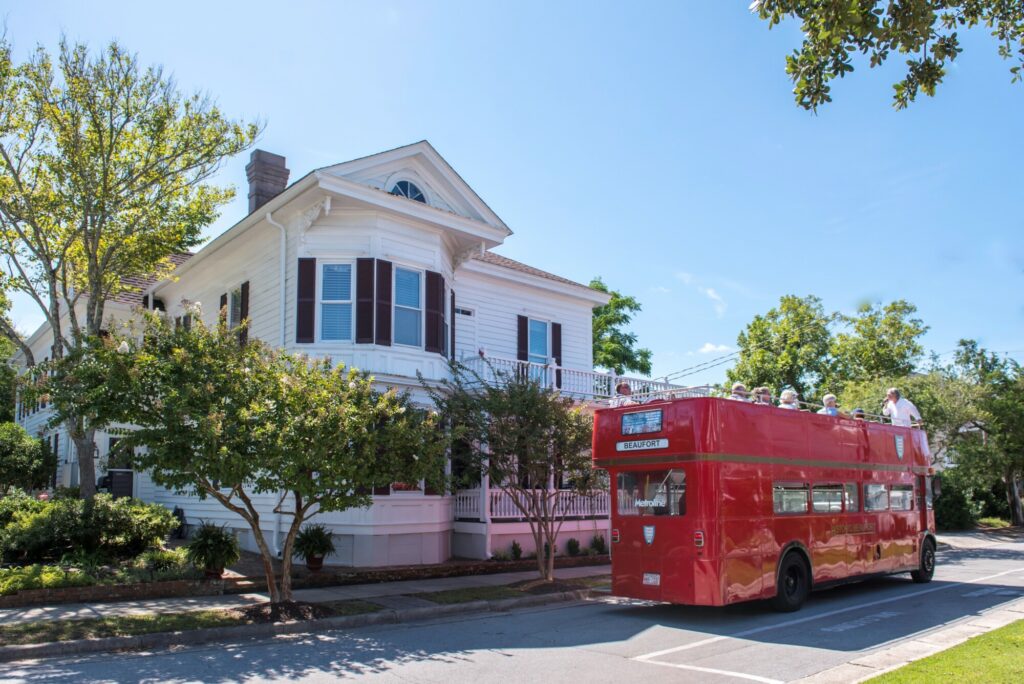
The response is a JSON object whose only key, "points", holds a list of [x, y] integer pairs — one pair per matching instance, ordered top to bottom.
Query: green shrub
{"points": [[25, 461], [17, 502], [953, 509], [114, 529], [313, 541], [598, 545], [572, 547], [212, 548], [517, 550], [547, 550], [500, 556], [157, 565], [13, 580]]}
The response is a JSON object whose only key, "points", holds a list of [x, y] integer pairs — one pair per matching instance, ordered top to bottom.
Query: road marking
{"points": [[998, 591], [861, 622], [649, 657], [711, 670]]}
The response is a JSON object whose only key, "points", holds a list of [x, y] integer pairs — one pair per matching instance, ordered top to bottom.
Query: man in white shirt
{"points": [[900, 410]]}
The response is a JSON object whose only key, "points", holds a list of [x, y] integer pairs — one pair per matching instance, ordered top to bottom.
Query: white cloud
{"points": [[687, 278], [661, 289], [715, 298], [710, 348]]}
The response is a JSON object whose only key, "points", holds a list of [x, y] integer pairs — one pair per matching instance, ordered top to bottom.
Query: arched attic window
{"points": [[404, 188]]}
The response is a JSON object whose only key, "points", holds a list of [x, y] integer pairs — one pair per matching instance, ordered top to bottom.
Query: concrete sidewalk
{"points": [[389, 594]]}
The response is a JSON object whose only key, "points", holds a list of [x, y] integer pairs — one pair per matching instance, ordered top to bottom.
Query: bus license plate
{"points": [[652, 579]]}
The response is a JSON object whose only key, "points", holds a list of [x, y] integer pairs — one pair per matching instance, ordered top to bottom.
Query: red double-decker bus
{"points": [[717, 501]]}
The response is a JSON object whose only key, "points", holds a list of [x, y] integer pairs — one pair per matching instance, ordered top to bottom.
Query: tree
{"points": [[925, 30], [103, 170], [882, 341], [788, 347], [614, 348], [216, 419], [527, 439], [25, 462]]}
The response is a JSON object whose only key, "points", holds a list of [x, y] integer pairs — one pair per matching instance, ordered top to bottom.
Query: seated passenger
{"points": [[739, 392], [622, 395], [763, 396], [788, 400], [829, 408], [857, 413]]}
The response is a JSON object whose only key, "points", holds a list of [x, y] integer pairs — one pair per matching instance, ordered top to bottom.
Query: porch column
{"points": [[485, 507]]}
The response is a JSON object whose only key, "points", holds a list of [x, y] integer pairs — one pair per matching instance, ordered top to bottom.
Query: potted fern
{"points": [[314, 543], [211, 548]]}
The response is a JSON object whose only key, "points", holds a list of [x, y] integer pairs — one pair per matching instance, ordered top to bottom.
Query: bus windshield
{"points": [[653, 492]]}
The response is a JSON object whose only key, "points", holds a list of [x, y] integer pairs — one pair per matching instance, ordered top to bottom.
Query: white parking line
{"points": [[649, 657], [711, 670]]}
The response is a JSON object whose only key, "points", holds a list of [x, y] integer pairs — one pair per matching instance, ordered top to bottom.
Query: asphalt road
{"points": [[607, 640]]}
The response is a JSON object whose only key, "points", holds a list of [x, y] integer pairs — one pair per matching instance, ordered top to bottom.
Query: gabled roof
{"points": [[505, 262], [139, 284]]}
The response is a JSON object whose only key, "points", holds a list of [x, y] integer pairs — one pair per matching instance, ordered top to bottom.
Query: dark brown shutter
{"points": [[145, 301], [364, 301], [383, 303], [305, 305], [223, 308], [243, 315], [451, 315], [434, 320], [186, 321], [177, 322], [523, 339], [556, 350], [382, 491]]}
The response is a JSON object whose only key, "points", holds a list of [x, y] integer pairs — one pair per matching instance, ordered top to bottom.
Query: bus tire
{"points": [[926, 570], [794, 584]]}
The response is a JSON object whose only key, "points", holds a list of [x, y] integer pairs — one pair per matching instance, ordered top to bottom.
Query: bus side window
{"points": [[928, 492], [789, 497], [876, 497], [901, 497], [827, 498], [852, 502]]}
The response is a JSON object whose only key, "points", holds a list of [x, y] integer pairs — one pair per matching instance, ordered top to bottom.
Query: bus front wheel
{"points": [[927, 568], [794, 584]]}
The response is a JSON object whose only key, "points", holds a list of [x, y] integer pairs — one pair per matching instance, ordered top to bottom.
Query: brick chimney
{"points": [[268, 177]]}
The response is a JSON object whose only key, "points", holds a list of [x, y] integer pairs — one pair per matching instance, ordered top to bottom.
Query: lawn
{"points": [[518, 590], [127, 625], [997, 656]]}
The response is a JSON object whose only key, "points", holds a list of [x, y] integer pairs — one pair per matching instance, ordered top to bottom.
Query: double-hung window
{"points": [[336, 303], [408, 307], [235, 308], [539, 347]]}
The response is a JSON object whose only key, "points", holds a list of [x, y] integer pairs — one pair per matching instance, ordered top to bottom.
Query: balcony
{"points": [[583, 385], [500, 507]]}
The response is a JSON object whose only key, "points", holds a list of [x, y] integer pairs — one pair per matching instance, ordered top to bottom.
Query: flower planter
{"points": [[315, 563]]}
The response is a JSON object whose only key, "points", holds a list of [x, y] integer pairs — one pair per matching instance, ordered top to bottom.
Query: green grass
{"points": [[997, 523], [470, 594], [352, 607], [127, 625], [997, 656]]}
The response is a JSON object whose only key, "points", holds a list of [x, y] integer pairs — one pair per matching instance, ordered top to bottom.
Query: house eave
{"points": [[577, 291]]}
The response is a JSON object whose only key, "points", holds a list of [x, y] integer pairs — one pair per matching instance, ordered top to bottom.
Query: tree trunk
{"points": [[85, 445], [1013, 497], [289, 544], [268, 560]]}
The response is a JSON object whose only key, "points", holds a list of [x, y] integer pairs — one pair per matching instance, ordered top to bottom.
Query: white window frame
{"points": [[234, 296], [394, 306], [319, 312], [547, 340]]}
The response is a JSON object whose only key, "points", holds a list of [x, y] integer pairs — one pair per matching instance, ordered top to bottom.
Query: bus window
{"points": [[659, 492], [928, 492], [789, 497], [876, 497], [901, 497], [827, 498], [852, 503]]}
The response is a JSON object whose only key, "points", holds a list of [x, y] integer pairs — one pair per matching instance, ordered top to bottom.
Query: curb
{"points": [[200, 636]]}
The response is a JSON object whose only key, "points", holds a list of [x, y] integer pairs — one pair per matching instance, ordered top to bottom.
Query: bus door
{"points": [[650, 516]]}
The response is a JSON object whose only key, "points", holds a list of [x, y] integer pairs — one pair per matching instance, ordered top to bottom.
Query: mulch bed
{"points": [[284, 612]]}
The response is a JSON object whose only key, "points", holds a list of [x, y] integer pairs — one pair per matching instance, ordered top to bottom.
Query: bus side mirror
{"points": [[936, 486]]}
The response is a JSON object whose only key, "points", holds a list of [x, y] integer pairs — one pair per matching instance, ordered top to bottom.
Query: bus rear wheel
{"points": [[927, 569], [794, 584]]}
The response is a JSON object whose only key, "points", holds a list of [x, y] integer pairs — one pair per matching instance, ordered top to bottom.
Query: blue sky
{"points": [[654, 144]]}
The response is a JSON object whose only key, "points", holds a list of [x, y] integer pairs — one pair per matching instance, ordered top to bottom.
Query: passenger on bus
{"points": [[739, 392], [622, 395], [763, 396], [788, 400], [829, 408], [899, 409], [857, 413]]}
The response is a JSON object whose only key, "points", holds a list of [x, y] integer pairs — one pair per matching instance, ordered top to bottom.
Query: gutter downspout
{"points": [[283, 266]]}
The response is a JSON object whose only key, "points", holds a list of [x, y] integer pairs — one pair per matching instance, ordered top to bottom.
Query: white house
{"points": [[383, 263]]}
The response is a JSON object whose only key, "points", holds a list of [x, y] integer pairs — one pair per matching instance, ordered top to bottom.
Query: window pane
{"points": [[337, 284], [407, 288], [235, 308], [336, 321], [407, 327], [539, 340], [661, 492], [876, 497], [789, 498], [827, 498], [901, 498], [852, 502]]}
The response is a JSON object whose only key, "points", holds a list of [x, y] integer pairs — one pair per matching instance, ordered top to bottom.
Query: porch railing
{"points": [[502, 506]]}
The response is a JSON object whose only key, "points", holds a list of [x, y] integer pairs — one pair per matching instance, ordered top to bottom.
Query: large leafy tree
{"points": [[925, 33], [103, 173], [879, 341], [614, 347], [788, 347], [220, 420], [532, 443], [25, 462]]}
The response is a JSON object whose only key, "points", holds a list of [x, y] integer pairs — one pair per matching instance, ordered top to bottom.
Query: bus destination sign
{"points": [[640, 422], [641, 444]]}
